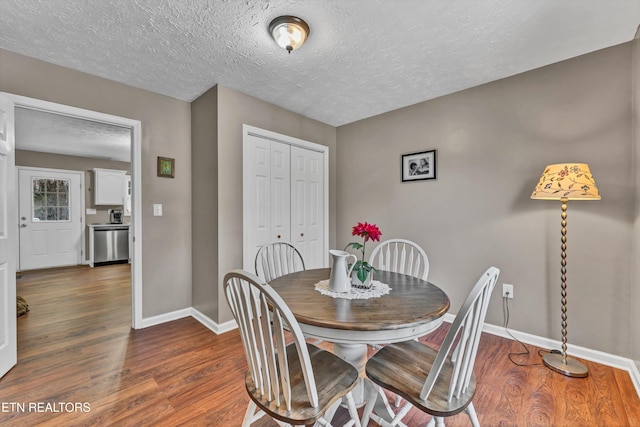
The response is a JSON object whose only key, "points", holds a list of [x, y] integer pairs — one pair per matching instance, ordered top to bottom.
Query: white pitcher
{"points": [[340, 280]]}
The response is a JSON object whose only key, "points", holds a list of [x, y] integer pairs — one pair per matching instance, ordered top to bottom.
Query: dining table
{"points": [[412, 307]]}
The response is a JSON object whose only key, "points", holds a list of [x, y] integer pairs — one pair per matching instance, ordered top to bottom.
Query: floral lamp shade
{"points": [[571, 181]]}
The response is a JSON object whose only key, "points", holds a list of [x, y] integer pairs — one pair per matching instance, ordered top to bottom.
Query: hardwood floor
{"points": [[75, 346]]}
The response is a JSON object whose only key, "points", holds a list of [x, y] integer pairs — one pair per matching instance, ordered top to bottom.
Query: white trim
{"points": [[285, 139], [296, 142], [136, 176], [82, 256], [196, 314], [165, 318], [218, 329], [597, 356]]}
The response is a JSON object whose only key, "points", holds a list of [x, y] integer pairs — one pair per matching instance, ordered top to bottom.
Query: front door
{"points": [[50, 218], [8, 238]]}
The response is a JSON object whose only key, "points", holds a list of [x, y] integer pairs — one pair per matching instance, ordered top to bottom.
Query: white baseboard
{"points": [[186, 312], [164, 318], [210, 324], [574, 350]]}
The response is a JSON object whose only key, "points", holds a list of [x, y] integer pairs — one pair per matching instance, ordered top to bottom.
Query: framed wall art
{"points": [[418, 166], [166, 167]]}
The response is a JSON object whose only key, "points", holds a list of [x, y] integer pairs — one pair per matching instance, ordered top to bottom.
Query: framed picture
{"points": [[418, 166], [166, 167]]}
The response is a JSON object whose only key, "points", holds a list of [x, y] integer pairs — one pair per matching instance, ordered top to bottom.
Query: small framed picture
{"points": [[419, 166], [166, 167]]}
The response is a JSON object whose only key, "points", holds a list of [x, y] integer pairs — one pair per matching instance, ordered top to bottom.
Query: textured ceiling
{"points": [[363, 58], [54, 133]]}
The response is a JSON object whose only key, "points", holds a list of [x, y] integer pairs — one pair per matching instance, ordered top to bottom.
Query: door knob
{"points": [[23, 218], [23, 225], [301, 234], [279, 236]]}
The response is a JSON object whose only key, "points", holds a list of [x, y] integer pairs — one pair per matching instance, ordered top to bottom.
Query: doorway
{"points": [[135, 129]]}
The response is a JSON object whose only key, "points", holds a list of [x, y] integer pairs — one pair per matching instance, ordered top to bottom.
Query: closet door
{"points": [[280, 192], [267, 198], [307, 206]]}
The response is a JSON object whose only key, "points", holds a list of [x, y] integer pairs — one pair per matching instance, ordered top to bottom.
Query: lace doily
{"points": [[376, 290]]}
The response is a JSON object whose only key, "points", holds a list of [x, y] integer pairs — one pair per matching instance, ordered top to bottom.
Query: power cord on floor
{"points": [[526, 352]]}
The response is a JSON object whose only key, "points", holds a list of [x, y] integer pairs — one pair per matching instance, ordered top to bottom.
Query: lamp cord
{"points": [[526, 352]]}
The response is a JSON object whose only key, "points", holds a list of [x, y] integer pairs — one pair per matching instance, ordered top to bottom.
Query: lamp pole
{"points": [[559, 362]]}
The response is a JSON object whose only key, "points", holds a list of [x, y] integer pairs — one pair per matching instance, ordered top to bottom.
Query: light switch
{"points": [[157, 209], [91, 211]]}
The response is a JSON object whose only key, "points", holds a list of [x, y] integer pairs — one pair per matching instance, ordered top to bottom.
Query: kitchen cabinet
{"points": [[109, 186]]}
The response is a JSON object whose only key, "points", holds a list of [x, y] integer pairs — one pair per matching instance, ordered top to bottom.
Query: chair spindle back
{"points": [[401, 256], [277, 259], [262, 317], [468, 327]]}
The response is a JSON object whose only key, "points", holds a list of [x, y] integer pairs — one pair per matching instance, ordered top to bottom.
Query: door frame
{"points": [[248, 130], [136, 177], [83, 224]]}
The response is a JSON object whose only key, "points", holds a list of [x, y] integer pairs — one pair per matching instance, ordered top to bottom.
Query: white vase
{"points": [[355, 281]]}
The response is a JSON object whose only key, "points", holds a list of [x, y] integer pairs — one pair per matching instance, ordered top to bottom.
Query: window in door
{"points": [[50, 200]]}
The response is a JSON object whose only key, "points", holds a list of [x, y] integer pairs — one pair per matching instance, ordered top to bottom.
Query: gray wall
{"points": [[234, 110], [166, 131], [493, 143], [85, 164], [204, 175], [635, 291]]}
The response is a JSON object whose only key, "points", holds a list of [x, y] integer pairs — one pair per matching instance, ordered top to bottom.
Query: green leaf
{"points": [[354, 245], [362, 275]]}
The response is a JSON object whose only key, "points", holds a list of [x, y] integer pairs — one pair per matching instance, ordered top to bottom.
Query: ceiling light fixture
{"points": [[289, 32]]}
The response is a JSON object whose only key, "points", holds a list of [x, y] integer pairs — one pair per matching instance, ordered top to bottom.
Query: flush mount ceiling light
{"points": [[289, 32]]}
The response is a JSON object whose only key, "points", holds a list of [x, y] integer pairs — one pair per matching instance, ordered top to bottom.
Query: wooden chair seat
{"points": [[403, 368], [334, 379]]}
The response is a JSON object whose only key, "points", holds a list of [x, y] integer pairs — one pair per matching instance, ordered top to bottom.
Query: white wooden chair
{"points": [[401, 256], [404, 257], [277, 259], [440, 383], [295, 384]]}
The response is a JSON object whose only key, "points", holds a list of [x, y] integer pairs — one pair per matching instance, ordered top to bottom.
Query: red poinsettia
{"points": [[367, 232]]}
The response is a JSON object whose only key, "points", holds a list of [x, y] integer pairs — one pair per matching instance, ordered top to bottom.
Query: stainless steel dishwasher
{"points": [[111, 244]]}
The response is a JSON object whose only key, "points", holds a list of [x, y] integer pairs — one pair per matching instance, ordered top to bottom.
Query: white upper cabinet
{"points": [[109, 186]]}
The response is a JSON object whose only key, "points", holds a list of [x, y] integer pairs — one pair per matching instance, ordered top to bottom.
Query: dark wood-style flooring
{"points": [[76, 346]]}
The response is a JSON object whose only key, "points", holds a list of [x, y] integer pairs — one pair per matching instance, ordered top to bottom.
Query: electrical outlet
{"points": [[507, 290]]}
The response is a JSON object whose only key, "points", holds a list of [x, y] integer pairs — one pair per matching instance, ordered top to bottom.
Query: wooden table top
{"points": [[411, 302]]}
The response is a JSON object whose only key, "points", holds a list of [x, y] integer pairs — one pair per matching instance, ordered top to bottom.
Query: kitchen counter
{"points": [[108, 225]]}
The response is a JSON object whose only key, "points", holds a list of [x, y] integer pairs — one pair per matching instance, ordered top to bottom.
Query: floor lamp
{"points": [[564, 182]]}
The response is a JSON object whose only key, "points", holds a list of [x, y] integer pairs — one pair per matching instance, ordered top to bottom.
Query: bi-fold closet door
{"points": [[283, 198]]}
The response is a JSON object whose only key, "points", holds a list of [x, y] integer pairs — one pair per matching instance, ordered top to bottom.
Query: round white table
{"points": [[412, 308]]}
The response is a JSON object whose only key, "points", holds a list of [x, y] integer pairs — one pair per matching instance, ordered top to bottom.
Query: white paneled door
{"points": [[307, 179], [284, 195], [280, 203], [50, 218], [8, 238]]}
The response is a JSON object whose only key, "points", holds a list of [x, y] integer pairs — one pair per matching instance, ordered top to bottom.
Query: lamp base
{"points": [[572, 368]]}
